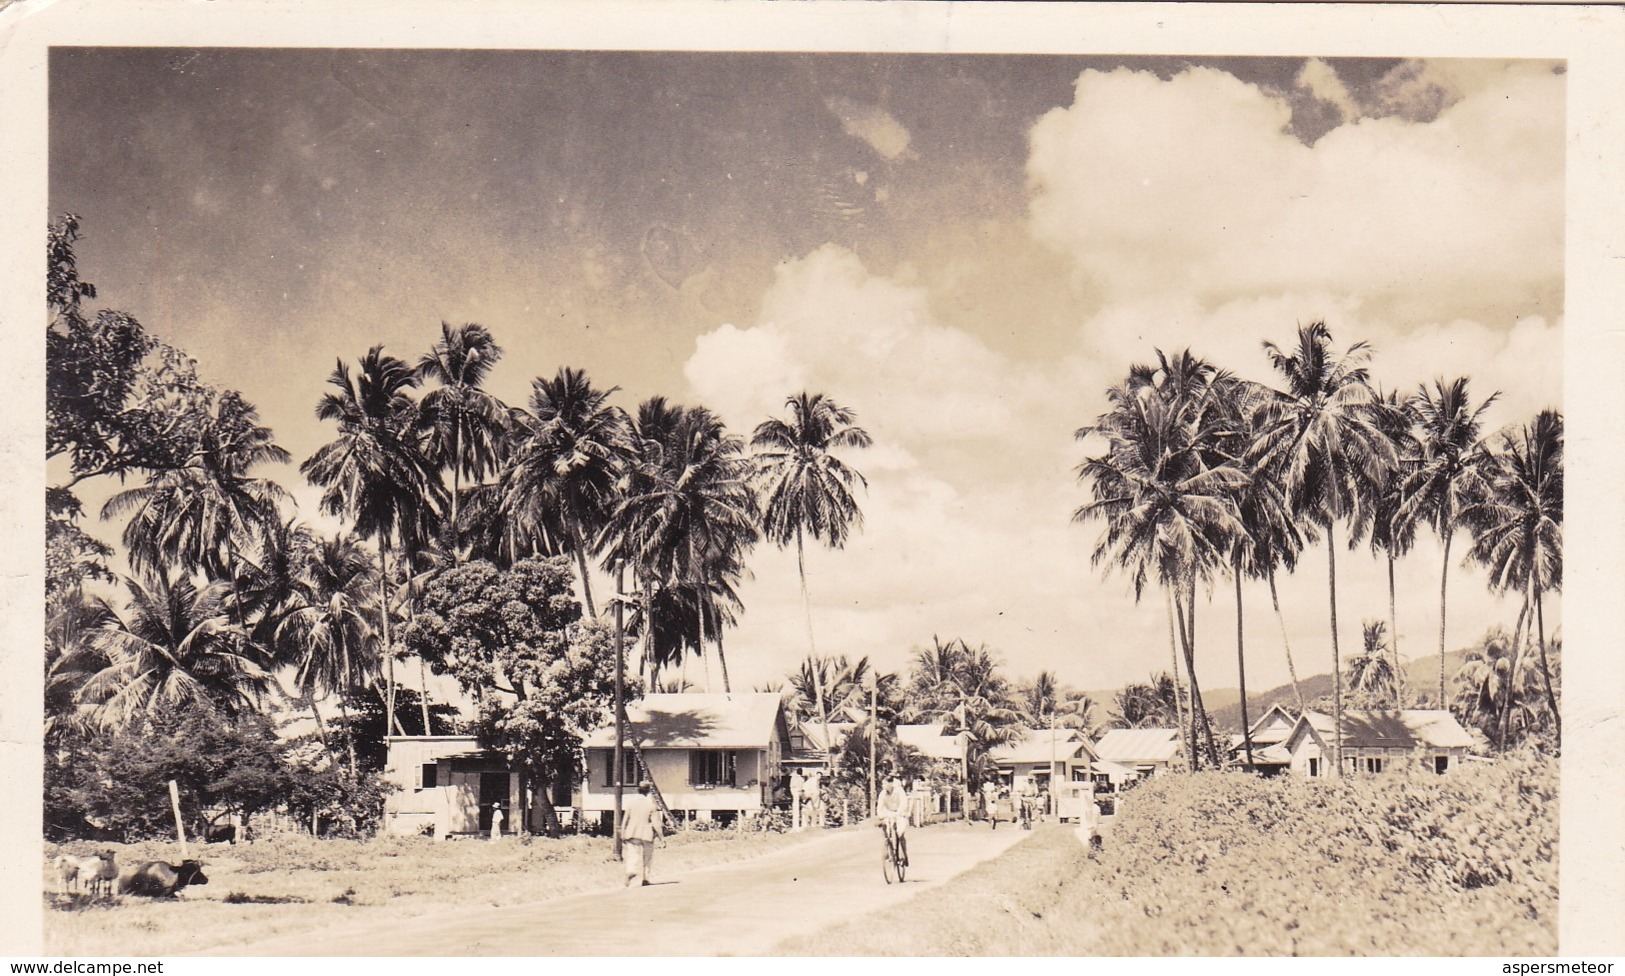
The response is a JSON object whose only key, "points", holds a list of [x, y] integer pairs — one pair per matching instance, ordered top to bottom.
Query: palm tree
{"points": [[464, 422], [1328, 439], [570, 460], [375, 473], [1450, 473], [807, 490], [1164, 491], [199, 516], [689, 517], [1518, 523], [1391, 531], [328, 638], [173, 646], [1372, 675], [1047, 703], [1154, 704]]}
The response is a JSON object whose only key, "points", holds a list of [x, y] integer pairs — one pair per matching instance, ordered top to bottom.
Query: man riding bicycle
{"points": [[891, 814]]}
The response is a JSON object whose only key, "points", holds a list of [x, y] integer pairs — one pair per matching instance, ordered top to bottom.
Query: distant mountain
{"points": [[1421, 674]]}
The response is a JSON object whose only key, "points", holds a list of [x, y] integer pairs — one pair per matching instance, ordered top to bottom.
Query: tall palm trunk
{"points": [[456, 484], [581, 561], [1444, 578], [648, 595], [1393, 633], [1286, 643], [812, 651], [1337, 658], [722, 661], [1546, 668], [1241, 670], [1179, 693], [1198, 704], [390, 721], [1504, 723], [321, 726], [349, 734]]}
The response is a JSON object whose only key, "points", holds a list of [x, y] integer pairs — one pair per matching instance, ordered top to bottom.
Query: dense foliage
{"points": [[1398, 864]]}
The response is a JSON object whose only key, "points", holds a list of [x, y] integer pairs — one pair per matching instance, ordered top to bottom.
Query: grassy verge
{"points": [[1222, 864], [291, 884], [996, 908]]}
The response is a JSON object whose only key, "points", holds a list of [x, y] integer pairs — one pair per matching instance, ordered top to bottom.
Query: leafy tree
{"points": [[807, 490], [513, 641], [966, 690], [116, 785]]}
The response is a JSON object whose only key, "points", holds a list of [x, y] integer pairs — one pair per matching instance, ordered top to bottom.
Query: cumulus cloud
{"points": [[1321, 81], [872, 124], [1194, 185]]}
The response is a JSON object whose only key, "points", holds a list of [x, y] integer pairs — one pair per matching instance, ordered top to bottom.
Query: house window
{"points": [[1440, 764], [1373, 765], [712, 767], [1314, 767], [631, 772], [431, 775]]}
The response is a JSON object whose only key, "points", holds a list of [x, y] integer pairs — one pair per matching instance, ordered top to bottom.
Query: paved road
{"points": [[744, 908]]}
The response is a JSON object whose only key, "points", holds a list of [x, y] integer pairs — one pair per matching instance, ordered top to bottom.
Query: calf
{"points": [[98, 872], [155, 879]]}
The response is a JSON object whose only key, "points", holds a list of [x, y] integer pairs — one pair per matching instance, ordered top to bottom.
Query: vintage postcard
{"points": [[709, 479]]}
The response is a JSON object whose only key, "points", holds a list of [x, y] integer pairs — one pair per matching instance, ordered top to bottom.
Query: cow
{"points": [[221, 834], [98, 872], [156, 879]]}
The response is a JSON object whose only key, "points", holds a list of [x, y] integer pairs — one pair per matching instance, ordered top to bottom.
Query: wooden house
{"points": [[1376, 741]]}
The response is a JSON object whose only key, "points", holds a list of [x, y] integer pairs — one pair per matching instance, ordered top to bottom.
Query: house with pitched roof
{"points": [[1268, 735], [1376, 741], [1147, 752], [1045, 756], [713, 757]]}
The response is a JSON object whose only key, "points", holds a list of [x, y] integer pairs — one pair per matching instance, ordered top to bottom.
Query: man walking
{"points": [[640, 825]]}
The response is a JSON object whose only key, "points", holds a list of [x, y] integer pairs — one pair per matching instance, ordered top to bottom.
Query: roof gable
{"points": [[1412, 728], [1044, 745]]}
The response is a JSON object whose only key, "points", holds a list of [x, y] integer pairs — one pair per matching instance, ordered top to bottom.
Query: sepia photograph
{"points": [[803, 498]]}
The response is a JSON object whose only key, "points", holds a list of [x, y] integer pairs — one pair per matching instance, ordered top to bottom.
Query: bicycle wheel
{"points": [[900, 861], [888, 865]]}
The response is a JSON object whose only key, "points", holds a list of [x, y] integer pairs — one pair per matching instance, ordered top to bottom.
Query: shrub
{"points": [[1406, 863]]}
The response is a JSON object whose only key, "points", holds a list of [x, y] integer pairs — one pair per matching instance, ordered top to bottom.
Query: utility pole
{"points": [[874, 686], [620, 701]]}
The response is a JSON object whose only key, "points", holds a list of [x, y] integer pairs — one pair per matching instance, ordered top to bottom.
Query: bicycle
{"points": [[894, 859]]}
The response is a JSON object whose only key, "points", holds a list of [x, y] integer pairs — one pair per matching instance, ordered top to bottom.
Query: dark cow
{"points": [[155, 879]]}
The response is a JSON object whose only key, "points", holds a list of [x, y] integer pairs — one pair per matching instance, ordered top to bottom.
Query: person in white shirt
{"points": [[892, 811], [496, 821], [640, 826]]}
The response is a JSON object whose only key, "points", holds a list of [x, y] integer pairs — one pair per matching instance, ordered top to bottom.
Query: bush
{"points": [[1406, 863]]}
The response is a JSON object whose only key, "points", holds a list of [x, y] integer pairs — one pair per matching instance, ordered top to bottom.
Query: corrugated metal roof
{"points": [[686, 721], [1389, 729], [931, 741], [1139, 745], [1036, 747]]}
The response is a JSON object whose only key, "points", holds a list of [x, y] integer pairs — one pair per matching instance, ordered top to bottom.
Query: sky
{"points": [[965, 250]]}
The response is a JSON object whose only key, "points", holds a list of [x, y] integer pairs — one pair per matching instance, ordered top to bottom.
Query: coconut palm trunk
{"points": [[581, 562], [1444, 579], [1393, 631], [1286, 643], [389, 648], [812, 651], [1337, 659], [722, 661], [1546, 668], [1241, 671], [1179, 694], [1504, 725]]}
